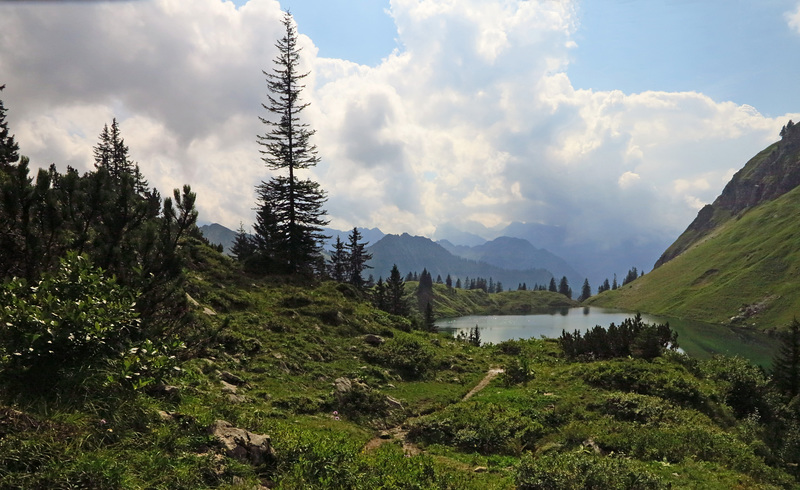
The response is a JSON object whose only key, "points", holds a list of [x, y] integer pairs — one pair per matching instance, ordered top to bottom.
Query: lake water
{"points": [[697, 339]]}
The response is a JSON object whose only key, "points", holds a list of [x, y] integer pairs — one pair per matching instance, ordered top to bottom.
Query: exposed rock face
{"points": [[767, 176], [243, 445]]}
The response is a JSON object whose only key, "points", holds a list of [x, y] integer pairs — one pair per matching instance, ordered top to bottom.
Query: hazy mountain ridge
{"points": [[415, 253], [516, 254]]}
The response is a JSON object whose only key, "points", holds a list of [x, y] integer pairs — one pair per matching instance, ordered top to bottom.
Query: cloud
{"points": [[793, 18], [473, 121]]}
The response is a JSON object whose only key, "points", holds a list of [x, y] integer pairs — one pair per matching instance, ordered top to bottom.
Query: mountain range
{"points": [[512, 261]]}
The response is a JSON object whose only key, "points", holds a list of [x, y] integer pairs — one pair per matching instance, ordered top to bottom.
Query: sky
{"points": [[616, 120]]}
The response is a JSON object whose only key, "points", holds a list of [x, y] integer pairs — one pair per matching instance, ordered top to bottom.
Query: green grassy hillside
{"points": [[744, 272], [451, 302], [354, 398]]}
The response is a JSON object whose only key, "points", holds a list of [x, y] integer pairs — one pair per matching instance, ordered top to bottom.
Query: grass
{"points": [[622, 422]]}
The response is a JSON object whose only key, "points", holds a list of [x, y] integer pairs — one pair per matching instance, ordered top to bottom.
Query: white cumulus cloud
{"points": [[474, 119]]}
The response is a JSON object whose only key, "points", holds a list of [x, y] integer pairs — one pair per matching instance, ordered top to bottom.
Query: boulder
{"points": [[374, 340], [241, 444]]}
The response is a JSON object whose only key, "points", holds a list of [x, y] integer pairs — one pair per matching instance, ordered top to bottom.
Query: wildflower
{"points": [[336, 412], [336, 418]]}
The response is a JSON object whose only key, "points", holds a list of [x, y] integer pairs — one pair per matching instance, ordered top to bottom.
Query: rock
{"points": [[374, 340], [231, 378], [342, 385], [229, 388], [164, 391], [236, 398], [394, 403], [165, 416], [385, 435], [241, 444], [480, 469]]}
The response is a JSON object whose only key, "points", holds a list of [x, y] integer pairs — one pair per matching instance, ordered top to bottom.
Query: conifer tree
{"points": [[9, 149], [296, 204], [243, 247], [357, 258], [338, 264], [563, 286], [395, 288], [553, 288], [425, 289], [586, 290], [379, 295], [430, 319], [786, 364]]}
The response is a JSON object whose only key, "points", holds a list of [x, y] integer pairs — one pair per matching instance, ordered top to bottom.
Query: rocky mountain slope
{"points": [[739, 261]]}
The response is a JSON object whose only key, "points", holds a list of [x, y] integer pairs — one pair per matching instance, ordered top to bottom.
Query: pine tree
{"points": [[9, 149], [111, 154], [296, 204], [269, 243], [243, 247], [357, 258], [339, 262], [449, 282], [458, 283], [614, 285], [563, 286], [553, 288], [395, 289], [425, 289], [586, 290], [379, 295], [430, 319], [786, 364]]}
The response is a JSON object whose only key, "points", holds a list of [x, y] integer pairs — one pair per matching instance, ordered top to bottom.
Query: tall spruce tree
{"points": [[286, 147], [9, 149], [243, 246], [357, 257], [338, 263], [563, 287], [395, 289], [586, 290], [786, 364]]}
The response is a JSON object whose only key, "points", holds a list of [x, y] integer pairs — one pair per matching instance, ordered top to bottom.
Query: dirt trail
{"points": [[493, 373], [400, 433]]}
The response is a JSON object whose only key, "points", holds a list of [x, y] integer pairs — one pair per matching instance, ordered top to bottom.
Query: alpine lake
{"points": [[697, 339]]}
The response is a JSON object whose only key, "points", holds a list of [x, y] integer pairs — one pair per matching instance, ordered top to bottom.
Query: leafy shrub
{"points": [[77, 323], [407, 354], [517, 371], [667, 381], [745, 386], [633, 407], [483, 427], [578, 470]]}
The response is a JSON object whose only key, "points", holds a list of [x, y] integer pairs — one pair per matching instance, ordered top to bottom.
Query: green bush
{"points": [[77, 324], [407, 354], [517, 370], [665, 380], [483, 427], [579, 470]]}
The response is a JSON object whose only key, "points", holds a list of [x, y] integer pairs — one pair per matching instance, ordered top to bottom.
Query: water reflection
{"points": [[696, 338]]}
